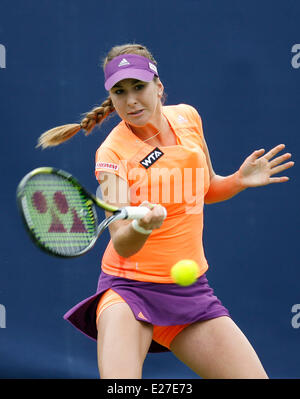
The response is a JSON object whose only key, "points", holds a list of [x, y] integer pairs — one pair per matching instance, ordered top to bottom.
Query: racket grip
{"points": [[138, 212]]}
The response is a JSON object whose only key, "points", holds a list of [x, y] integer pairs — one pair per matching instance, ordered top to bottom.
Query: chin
{"points": [[138, 123]]}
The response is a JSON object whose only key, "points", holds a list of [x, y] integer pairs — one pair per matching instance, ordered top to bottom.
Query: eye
{"points": [[139, 87], [119, 91]]}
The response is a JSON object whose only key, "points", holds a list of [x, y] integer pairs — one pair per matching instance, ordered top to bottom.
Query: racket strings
{"points": [[61, 216]]}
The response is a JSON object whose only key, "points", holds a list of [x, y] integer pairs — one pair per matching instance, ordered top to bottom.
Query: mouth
{"points": [[136, 113]]}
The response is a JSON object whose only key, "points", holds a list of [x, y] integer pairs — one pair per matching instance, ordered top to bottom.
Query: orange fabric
{"points": [[178, 180], [109, 297], [163, 335]]}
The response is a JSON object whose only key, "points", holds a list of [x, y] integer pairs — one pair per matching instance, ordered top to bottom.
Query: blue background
{"points": [[232, 61]]}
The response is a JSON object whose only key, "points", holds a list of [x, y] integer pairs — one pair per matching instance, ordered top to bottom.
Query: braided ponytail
{"points": [[96, 116], [63, 133]]}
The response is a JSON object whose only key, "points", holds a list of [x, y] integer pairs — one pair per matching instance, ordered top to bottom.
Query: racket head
{"points": [[58, 213]]}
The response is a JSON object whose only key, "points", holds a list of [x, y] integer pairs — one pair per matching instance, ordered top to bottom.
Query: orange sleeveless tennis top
{"points": [[176, 177]]}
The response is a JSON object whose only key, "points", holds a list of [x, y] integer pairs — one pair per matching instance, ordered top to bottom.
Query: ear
{"points": [[160, 88]]}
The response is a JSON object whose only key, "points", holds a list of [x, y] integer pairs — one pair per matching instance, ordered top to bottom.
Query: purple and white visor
{"points": [[128, 66]]}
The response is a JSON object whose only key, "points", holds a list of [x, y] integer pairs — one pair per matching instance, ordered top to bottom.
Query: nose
{"points": [[131, 99]]}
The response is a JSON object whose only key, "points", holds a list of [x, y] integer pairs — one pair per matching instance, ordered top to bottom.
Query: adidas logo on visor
{"points": [[123, 62]]}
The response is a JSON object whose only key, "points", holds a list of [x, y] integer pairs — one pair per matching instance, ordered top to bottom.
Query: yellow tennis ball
{"points": [[185, 272]]}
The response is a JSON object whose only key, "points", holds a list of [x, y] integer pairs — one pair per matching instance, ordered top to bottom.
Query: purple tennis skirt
{"points": [[162, 304]]}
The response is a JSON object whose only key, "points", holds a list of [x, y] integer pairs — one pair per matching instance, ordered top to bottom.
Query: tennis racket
{"points": [[60, 215]]}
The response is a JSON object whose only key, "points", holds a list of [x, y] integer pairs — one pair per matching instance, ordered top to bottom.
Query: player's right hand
{"points": [[153, 219]]}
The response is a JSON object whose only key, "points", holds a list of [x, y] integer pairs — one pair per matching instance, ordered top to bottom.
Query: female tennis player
{"points": [[157, 150]]}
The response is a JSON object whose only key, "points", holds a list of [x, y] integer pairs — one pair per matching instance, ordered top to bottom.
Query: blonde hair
{"points": [[98, 114]]}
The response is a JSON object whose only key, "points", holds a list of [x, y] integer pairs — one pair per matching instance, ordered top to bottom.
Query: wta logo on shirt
{"points": [[151, 158]]}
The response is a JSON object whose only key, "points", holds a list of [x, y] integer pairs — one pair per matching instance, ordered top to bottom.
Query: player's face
{"points": [[137, 102]]}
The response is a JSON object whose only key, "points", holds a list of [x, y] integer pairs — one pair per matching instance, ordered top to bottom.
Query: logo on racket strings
{"points": [[59, 216]]}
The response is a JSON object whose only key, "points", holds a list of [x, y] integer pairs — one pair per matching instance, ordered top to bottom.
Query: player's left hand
{"points": [[257, 168]]}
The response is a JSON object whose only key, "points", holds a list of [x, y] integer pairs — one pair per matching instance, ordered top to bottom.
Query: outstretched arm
{"points": [[257, 170]]}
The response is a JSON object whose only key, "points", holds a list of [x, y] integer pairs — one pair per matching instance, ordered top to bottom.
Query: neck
{"points": [[156, 127], [150, 130]]}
